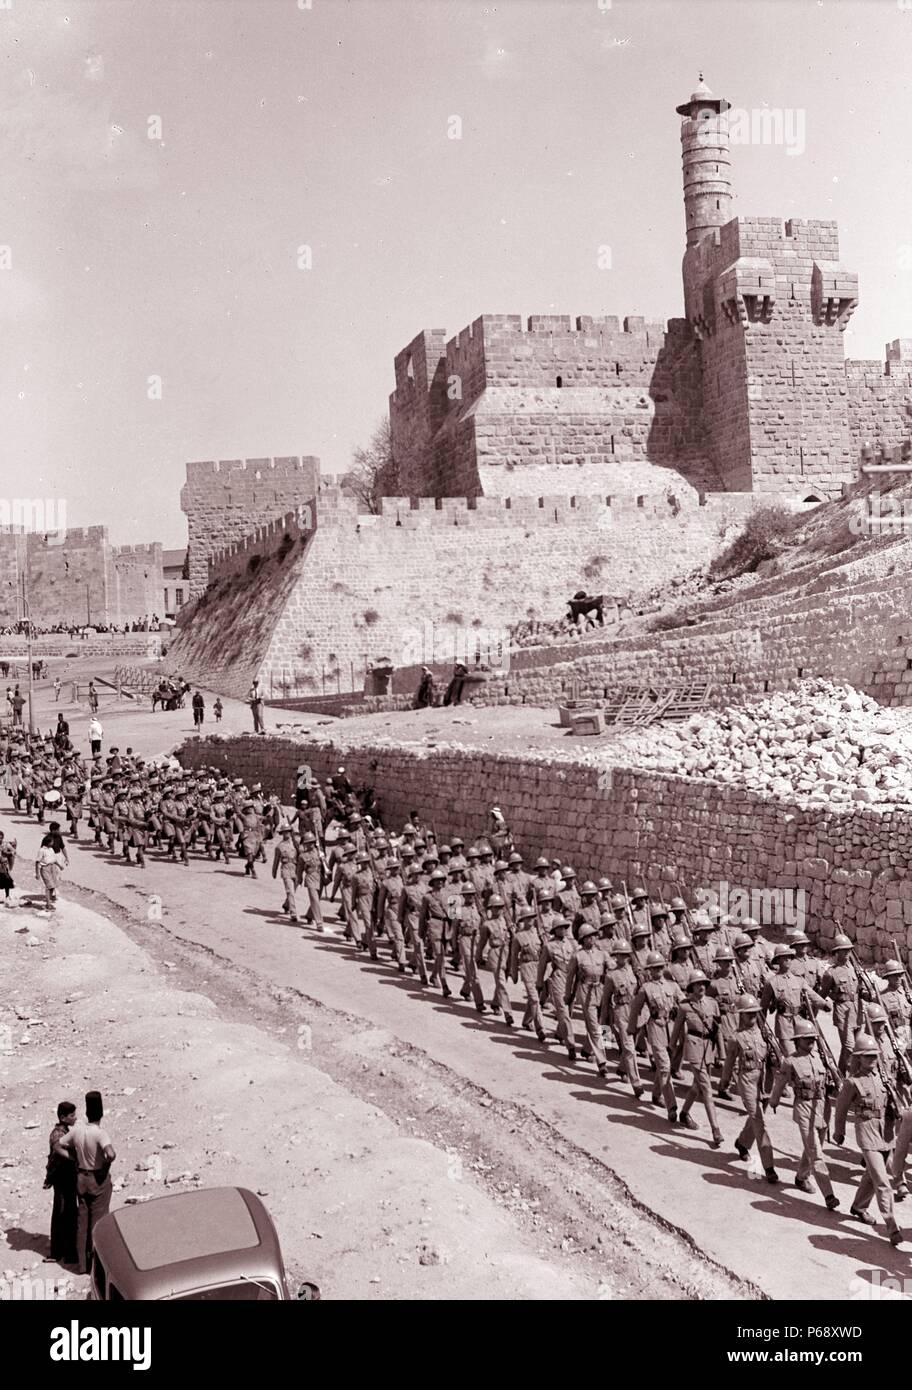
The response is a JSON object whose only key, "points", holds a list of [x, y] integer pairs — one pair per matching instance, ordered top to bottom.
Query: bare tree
{"points": [[373, 473]]}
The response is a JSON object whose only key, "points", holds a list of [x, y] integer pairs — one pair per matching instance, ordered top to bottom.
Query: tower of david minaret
{"points": [[768, 301]]}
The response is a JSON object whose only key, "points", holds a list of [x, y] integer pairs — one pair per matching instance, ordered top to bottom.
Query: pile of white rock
{"points": [[817, 744]]}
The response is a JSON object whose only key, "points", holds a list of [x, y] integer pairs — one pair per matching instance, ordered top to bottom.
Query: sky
{"points": [[164, 164]]}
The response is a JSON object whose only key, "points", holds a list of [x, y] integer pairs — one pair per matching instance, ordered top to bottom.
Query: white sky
{"points": [[328, 127]]}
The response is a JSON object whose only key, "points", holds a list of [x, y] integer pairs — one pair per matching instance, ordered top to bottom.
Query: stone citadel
{"points": [[542, 454]]}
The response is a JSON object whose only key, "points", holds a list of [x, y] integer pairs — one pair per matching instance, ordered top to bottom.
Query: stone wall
{"points": [[880, 398], [555, 404], [226, 500], [79, 578], [138, 582], [369, 587], [147, 645], [850, 865]]}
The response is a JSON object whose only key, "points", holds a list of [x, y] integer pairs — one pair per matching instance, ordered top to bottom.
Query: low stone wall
{"points": [[850, 865]]}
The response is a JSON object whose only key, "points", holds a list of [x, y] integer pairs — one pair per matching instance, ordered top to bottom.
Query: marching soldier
{"points": [[72, 791], [137, 829], [251, 836], [457, 854], [285, 866], [312, 872], [343, 881], [518, 883], [363, 886], [570, 897], [389, 901], [589, 912], [546, 914], [410, 917], [468, 928], [432, 929], [609, 931], [661, 937], [641, 950], [764, 950], [494, 952], [525, 952], [702, 952], [680, 965], [553, 967], [805, 967], [749, 970], [585, 982], [839, 984], [724, 989], [620, 990], [784, 995], [658, 1000], [897, 1004], [693, 1042], [745, 1059], [805, 1072], [866, 1096]]}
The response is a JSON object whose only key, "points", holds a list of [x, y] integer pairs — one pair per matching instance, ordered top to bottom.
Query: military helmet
{"points": [[457, 842], [444, 849], [472, 853], [363, 858], [515, 858], [542, 863], [501, 867], [568, 872], [437, 876], [604, 884], [468, 888], [588, 889], [639, 892], [545, 896], [495, 900], [618, 902], [678, 905], [657, 910], [525, 913], [607, 918], [558, 923], [750, 924], [639, 929], [585, 932], [799, 939], [680, 940], [742, 942], [841, 942], [621, 948], [783, 952], [724, 953], [653, 960], [892, 967], [696, 977], [747, 1004], [875, 1013], [803, 1028], [865, 1046]]}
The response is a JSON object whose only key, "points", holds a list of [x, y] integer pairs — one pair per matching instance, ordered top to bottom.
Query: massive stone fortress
{"points": [[750, 392], [226, 500], [77, 578]]}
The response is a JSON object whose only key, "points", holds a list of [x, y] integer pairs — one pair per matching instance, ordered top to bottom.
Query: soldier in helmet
{"points": [[285, 865], [312, 872], [343, 882], [518, 883], [363, 886], [570, 897], [389, 900], [639, 910], [678, 910], [589, 912], [546, 914], [410, 917], [434, 928], [468, 929], [609, 932], [661, 936], [641, 949], [494, 952], [702, 952], [525, 953], [680, 965], [805, 967], [553, 968], [749, 970], [585, 983], [839, 984], [724, 989], [620, 990], [786, 996], [656, 1003], [897, 1004], [693, 1042], [745, 1060], [805, 1072], [866, 1096]]}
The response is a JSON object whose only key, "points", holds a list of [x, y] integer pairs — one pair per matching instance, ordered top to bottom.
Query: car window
{"points": [[243, 1291]]}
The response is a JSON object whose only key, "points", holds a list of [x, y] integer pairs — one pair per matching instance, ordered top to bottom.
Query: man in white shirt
{"points": [[94, 734], [91, 1146]]}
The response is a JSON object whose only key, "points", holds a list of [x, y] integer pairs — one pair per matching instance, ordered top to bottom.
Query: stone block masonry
{"points": [[225, 501], [78, 579], [369, 587], [852, 866]]}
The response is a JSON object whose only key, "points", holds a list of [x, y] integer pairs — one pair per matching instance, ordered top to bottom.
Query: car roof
{"points": [[187, 1240]]}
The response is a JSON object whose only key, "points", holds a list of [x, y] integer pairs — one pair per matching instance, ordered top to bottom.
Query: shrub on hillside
{"points": [[763, 536]]}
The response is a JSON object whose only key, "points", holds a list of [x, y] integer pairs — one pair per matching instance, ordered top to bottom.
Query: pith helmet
{"points": [[588, 889], [495, 900], [617, 902], [678, 905], [639, 929], [585, 932], [742, 942], [841, 942], [621, 948], [783, 952], [724, 953], [653, 959], [892, 967], [696, 977], [747, 1004], [875, 1014], [803, 1028], [865, 1046]]}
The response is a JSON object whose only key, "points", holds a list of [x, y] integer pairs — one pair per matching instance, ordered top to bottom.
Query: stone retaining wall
{"points": [[630, 824]]}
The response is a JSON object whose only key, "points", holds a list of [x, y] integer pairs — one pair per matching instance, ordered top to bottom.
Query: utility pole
{"points": [[88, 609], [28, 641]]}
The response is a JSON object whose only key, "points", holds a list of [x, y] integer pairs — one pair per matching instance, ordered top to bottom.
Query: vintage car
{"points": [[212, 1244]]}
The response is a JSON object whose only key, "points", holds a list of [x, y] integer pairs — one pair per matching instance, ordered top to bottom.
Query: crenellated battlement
{"points": [[205, 471], [73, 536], [262, 541]]}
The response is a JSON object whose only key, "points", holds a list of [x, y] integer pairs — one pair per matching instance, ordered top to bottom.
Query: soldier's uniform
{"points": [[72, 791], [122, 821], [137, 827], [220, 827], [251, 838], [457, 856], [285, 866], [343, 880], [569, 895], [389, 902], [362, 905], [589, 913], [409, 918], [433, 926], [468, 929], [661, 935], [494, 952], [703, 952], [525, 953], [553, 967], [679, 967], [805, 967], [750, 969], [585, 983], [839, 984], [724, 989], [620, 990], [785, 995], [897, 1004], [654, 1006], [693, 1043], [745, 1060], [807, 1076], [867, 1098]]}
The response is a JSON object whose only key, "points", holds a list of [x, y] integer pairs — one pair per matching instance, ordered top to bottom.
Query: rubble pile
{"points": [[817, 744]]}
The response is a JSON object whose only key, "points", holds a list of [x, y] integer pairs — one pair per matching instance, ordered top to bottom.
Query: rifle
{"points": [[688, 923], [907, 978], [773, 1053], [904, 1069]]}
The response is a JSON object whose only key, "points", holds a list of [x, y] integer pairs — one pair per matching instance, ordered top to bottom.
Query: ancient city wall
{"points": [[555, 396], [880, 398], [226, 500], [466, 565], [71, 581], [138, 582], [851, 865]]}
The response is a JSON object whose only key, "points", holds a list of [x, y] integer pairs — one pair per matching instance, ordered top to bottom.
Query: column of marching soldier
{"points": [[676, 989]]}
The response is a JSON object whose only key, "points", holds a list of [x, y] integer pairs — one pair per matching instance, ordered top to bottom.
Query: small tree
{"points": [[373, 473]]}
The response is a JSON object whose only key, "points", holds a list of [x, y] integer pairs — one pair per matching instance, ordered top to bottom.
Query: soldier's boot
{"points": [[508, 1020], [542, 1036], [571, 1051], [602, 1069], [723, 1094], [673, 1116], [687, 1120], [716, 1139], [741, 1150], [771, 1175], [803, 1185], [901, 1192], [832, 1201], [864, 1216], [896, 1236]]}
